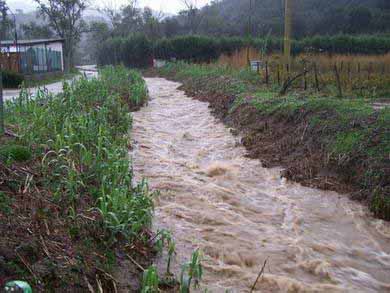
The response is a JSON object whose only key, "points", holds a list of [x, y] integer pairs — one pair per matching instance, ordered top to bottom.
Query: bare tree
{"points": [[111, 10], [192, 14], [65, 17], [5, 23]]}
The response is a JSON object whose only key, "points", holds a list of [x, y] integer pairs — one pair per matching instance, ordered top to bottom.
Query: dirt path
{"points": [[54, 88], [240, 213]]}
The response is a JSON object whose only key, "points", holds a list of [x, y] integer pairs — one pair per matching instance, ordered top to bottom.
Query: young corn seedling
{"points": [[164, 238], [191, 272], [150, 281]]}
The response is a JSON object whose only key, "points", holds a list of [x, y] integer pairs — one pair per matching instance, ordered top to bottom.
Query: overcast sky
{"points": [[169, 6]]}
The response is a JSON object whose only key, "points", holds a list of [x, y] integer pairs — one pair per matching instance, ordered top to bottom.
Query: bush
{"points": [[190, 48], [134, 51], [11, 79]]}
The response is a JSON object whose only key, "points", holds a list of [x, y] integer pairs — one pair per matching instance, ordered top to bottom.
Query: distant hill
{"points": [[311, 17]]}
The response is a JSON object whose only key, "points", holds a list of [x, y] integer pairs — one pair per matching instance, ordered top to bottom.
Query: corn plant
{"points": [[164, 238], [191, 272], [150, 281]]}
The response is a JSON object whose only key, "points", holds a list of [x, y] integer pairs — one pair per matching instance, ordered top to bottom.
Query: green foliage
{"points": [[344, 44], [190, 48], [133, 51], [138, 51], [11, 79], [129, 85], [81, 136], [347, 142], [15, 153], [5, 204], [380, 205], [191, 272], [150, 281]]}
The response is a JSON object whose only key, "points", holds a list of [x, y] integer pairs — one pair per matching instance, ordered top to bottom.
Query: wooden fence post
{"points": [[369, 71], [266, 73], [278, 74], [338, 81], [317, 84]]}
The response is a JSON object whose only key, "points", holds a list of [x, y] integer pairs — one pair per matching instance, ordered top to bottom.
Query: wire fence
{"points": [[362, 75]]}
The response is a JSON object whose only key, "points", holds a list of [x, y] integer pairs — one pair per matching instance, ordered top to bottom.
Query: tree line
{"points": [[322, 25], [138, 50]]}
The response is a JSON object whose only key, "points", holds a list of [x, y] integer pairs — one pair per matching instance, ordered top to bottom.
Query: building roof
{"points": [[31, 42]]}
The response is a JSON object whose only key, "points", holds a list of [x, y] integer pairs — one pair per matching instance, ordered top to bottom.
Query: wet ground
{"points": [[240, 214]]}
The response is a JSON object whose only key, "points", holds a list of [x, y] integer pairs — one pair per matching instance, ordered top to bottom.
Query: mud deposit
{"points": [[214, 197]]}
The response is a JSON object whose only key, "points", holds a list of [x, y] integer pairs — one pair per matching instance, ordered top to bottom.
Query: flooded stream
{"points": [[239, 213]]}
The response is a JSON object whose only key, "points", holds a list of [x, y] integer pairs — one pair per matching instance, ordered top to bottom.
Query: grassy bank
{"points": [[333, 143], [69, 209]]}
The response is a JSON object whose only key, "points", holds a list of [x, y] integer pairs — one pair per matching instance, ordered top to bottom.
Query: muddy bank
{"points": [[278, 142], [301, 147]]}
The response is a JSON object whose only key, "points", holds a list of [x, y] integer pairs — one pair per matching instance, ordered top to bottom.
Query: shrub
{"points": [[190, 48], [134, 51], [11, 79], [5, 204]]}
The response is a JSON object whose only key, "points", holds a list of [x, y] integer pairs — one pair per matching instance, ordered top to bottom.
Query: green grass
{"points": [[52, 79], [14, 153], [5, 204]]}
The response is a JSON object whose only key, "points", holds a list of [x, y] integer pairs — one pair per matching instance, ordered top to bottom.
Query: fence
{"points": [[38, 60], [10, 61], [365, 75]]}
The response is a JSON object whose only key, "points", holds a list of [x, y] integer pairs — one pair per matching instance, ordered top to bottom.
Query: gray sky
{"points": [[169, 6]]}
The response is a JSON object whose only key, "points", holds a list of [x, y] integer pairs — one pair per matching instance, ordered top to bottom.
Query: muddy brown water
{"points": [[239, 213]]}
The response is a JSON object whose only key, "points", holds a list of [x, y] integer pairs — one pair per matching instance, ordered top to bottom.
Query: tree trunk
{"points": [[69, 55], [2, 128]]}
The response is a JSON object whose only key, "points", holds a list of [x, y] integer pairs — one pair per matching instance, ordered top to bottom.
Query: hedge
{"points": [[134, 51], [138, 51], [11, 79]]}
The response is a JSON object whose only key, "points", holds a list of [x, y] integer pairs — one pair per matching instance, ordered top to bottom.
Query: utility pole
{"points": [[249, 32], [287, 32], [2, 127]]}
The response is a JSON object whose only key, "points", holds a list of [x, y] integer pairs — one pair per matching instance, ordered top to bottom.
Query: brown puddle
{"points": [[240, 213]]}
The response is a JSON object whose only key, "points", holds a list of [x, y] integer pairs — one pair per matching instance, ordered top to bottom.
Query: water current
{"points": [[239, 214]]}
